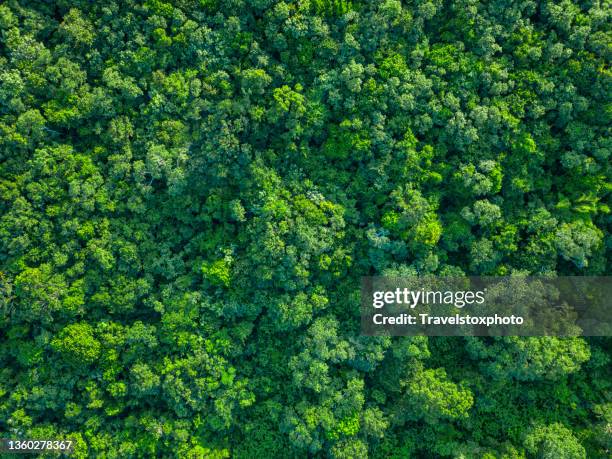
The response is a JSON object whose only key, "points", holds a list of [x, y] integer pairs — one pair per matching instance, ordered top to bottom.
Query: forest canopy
{"points": [[191, 190]]}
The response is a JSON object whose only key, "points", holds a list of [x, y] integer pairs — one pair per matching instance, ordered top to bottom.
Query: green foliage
{"points": [[331, 7], [190, 191], [217, 272], [77, 344], [436, 397], [553, 440]]}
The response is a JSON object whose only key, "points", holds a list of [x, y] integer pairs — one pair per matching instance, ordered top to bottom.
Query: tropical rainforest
{"points": [[191, 191]]}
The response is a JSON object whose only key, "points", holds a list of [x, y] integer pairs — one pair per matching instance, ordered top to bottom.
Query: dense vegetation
{"points": [[192, 189]]}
